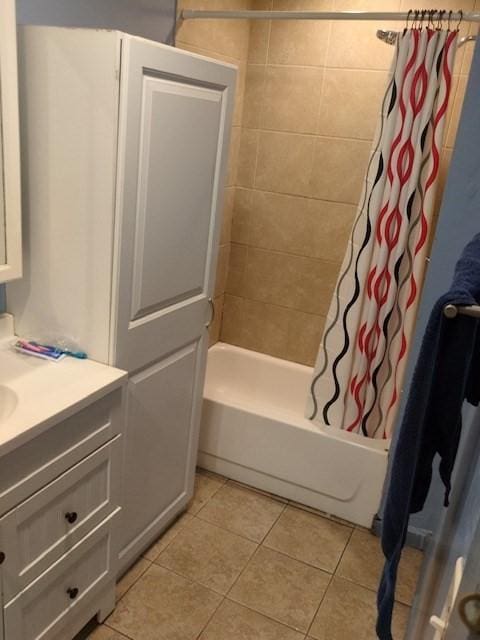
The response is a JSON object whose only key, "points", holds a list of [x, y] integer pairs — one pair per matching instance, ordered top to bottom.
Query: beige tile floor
{"points": [[243, 565]]}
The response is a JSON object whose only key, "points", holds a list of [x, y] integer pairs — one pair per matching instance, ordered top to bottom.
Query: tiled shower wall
{"points": [[226, 41], [312, 94]]}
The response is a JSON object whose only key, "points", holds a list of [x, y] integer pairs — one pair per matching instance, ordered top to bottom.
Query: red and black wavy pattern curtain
{"points": [[361, 359]]}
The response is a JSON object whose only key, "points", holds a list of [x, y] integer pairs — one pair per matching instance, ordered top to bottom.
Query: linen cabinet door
{"points": [[175, 115]]}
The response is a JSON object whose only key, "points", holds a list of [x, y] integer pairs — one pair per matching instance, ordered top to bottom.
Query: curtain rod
{"points": [[200, 14]]}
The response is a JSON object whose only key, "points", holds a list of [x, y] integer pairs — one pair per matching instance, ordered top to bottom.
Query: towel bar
{"points": [[451, 311]]}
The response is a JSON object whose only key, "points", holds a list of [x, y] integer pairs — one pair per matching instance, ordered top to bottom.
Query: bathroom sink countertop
{"points": [[36, 393]]}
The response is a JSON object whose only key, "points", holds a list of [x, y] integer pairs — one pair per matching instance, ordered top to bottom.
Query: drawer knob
{"points": [[71, 516], [2, 557], [72, 592]]}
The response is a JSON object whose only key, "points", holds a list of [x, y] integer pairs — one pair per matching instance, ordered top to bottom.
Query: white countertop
{"points": [[42, 393]]}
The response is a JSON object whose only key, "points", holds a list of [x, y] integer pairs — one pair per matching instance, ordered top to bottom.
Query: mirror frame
{"points": [[10, 141]]}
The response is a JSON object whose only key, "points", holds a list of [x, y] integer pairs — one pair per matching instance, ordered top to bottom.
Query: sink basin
{"points": [[8, 402]]}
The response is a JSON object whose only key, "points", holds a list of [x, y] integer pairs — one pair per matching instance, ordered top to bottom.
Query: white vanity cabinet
{"points": [[124, 152], [60, 521]]}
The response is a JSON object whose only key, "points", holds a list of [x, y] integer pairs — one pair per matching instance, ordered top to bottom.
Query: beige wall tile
{"points": [[303, 5], [367, 5], [259, 33], [227, 37], [298, 42], [258, 46], [355, 46], [468, 50], [254, 90], [239, 94], [360, 95], [291, 98], [451, 102], [456, 110], [246, 157], [445, 159], [284, 162], [232, 168], [339, 169], [242, 210], [227, 215], [332, 223], [292, 224], [222, 269], [236, 269], [271, 277], [283, 279], [314, 285], [232, 321], [264, 328], [277, 331], [305, 332]]}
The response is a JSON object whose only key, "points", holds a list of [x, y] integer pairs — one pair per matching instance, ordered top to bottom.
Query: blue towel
{"points": [[446, 373]]}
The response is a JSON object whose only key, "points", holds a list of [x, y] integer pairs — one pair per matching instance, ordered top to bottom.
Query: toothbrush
{"points": [[81, 355]]}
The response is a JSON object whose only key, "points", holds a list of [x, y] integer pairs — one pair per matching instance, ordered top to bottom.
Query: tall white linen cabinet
{"points": [[124, 155]]}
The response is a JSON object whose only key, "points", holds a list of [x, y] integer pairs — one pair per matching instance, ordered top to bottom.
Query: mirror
{"points": [[10, 209]]}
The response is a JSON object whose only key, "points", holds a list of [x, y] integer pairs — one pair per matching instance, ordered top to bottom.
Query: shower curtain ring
{"points": [[410, 11], [440, 15], [422, 17], [415, 18], [460, 19], [431, 24]]}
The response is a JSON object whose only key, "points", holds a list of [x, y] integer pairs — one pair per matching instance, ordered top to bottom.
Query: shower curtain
{"points": [[361, 360]]}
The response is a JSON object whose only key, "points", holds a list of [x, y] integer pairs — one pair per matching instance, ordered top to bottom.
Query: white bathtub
{"points": [[253, 431]]}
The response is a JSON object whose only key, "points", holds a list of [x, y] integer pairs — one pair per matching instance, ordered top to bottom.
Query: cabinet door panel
{"points": [[175, 114], [175, 185], [158, 441]]}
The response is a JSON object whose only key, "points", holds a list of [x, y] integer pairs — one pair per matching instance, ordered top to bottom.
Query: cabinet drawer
{"points": [[44, 458], [43, 528], [45, 607]]}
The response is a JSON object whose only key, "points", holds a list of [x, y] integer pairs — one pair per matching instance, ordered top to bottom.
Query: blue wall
{"points": [[154, 19]]}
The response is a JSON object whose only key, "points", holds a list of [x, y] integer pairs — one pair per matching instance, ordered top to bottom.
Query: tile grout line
{"points": [[308, 134], [290, 194], [275, 304], [184, 513], [251, 558], [303, 562], [136, 579], [330, 582], [265, 615], [210, 618], [104, 624], [309, 629]]}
